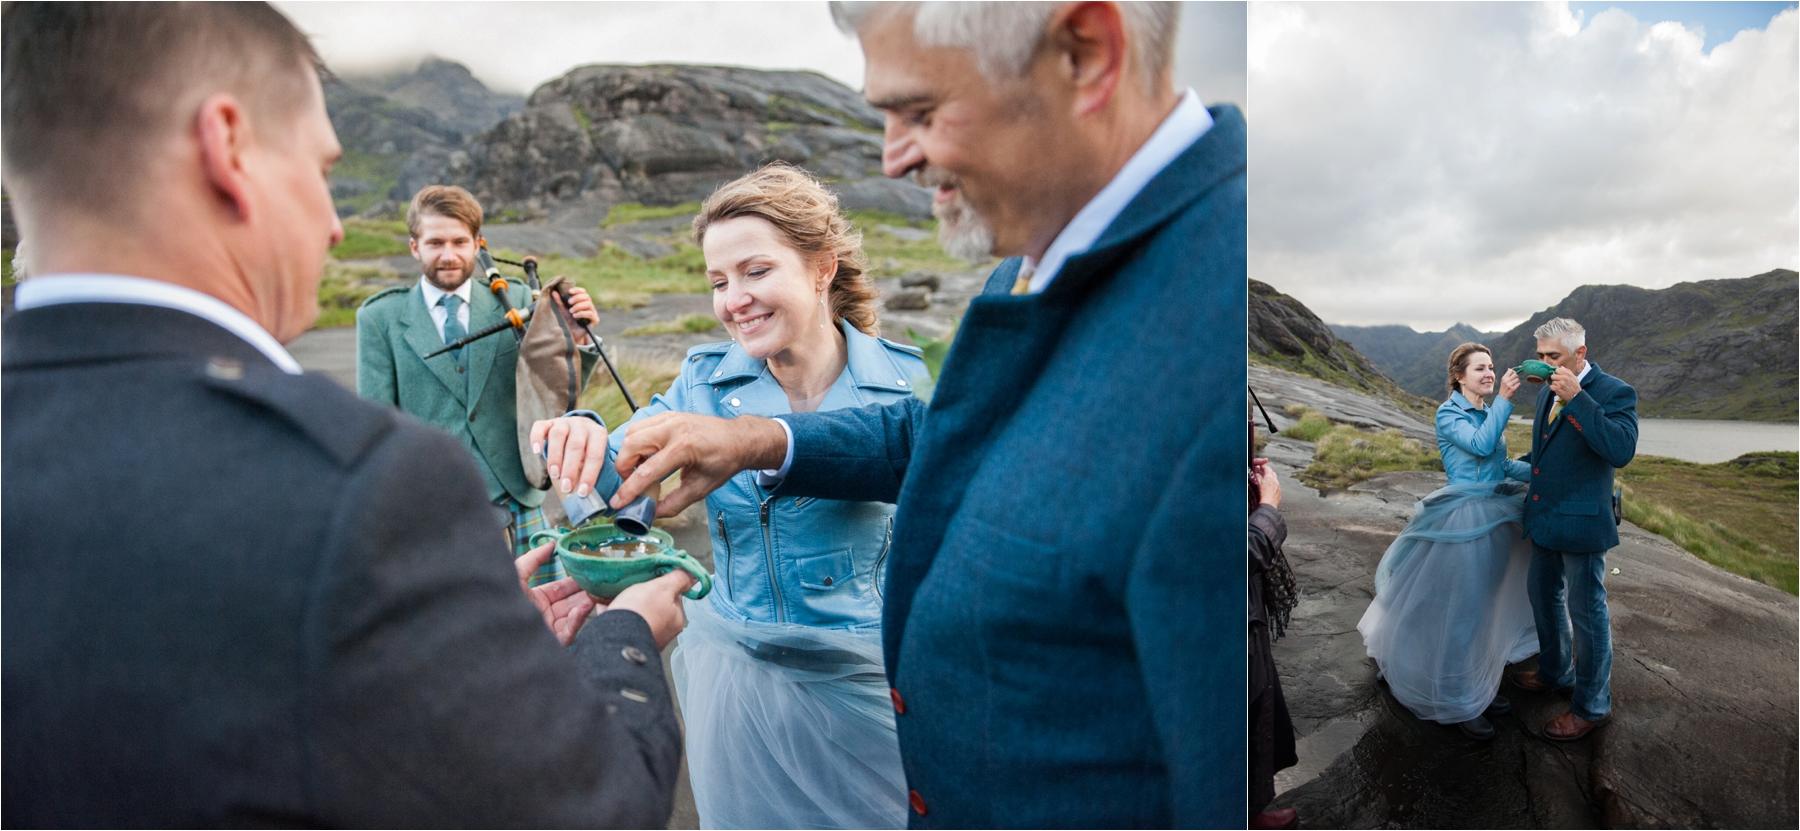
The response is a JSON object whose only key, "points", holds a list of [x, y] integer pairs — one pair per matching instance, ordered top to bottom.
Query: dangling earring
{"points": [[824, 313]]}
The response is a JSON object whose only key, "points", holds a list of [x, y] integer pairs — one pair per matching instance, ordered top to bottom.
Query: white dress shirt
{"points": [[1180, 130], [57, 289], [438, 313]]}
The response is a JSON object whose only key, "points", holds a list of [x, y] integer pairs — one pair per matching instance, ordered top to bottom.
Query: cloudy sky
{"points": [[516, 46], [1432, 163]]}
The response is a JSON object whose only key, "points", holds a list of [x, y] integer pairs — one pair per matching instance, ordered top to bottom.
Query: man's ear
{"points": [[1089, 39], [223, 136]]}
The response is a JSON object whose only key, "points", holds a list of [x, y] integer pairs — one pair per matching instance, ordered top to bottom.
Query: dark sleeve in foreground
{"points": [[859, 455], [1268, 530], [1186, 607], [437, 695]]}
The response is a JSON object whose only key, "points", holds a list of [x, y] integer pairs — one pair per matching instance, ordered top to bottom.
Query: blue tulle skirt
{"points": [[1450, 609], [787, 726]]}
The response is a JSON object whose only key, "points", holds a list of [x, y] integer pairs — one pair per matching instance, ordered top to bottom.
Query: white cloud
{"points": [[516, 46], [1429, 163]]}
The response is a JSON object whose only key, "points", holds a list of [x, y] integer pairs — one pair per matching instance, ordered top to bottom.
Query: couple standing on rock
{"points": [[1490, 571]]}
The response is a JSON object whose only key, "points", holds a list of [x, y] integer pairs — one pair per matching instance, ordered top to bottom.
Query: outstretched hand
{"points": [[706, 451], [563, 605]]}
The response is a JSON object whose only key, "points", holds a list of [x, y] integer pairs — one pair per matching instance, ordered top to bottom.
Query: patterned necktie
{"points": [[453, 328], [1556, 410]]}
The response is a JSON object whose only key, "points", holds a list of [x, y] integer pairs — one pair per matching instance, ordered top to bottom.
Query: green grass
{"points": [[381, 171], [626, 213], [370, 238], [891, 256], [6, 269], [618, 279], [343, 289], [686, 324], [644, 380], [1311, 426], [1346, 455], [1738, 515]]}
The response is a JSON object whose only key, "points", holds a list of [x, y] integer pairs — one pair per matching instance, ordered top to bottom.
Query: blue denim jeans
{"points": [[1569, 589]]}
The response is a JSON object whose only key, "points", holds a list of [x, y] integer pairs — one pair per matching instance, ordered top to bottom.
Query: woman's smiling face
{"points": [[764, 291], [1478, 377]]}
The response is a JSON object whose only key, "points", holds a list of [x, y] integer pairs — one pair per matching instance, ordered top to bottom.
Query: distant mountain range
{"points": [[602, 135], [1710, 349], [1724, 349], [1417, 361]]}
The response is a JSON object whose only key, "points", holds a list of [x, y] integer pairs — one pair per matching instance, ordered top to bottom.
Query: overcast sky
{"points": [[516, 46], [1432, 163]]}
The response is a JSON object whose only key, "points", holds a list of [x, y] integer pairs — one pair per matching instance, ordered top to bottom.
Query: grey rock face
{"points": [[669, 134], [1703, 731]]}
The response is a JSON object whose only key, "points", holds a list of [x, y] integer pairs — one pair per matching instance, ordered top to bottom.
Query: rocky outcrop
{"points": [[403, 131], [663, 135], [1283, 332], [1708, 349], [1703, 732]]}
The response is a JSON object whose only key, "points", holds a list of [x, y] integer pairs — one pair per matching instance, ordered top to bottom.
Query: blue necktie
{"points": [[453, 328]]}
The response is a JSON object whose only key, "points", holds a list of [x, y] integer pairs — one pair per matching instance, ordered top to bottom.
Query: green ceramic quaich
{"points": [[606, 576]]}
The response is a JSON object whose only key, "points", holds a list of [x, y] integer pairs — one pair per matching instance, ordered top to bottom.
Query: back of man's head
{"points": [[95, 91]]}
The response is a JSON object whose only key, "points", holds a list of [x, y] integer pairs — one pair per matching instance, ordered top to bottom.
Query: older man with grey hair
{"points": [[1584, 430], [1062, 628]]}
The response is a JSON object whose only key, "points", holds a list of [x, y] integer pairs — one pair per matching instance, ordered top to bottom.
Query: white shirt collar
{"points": [[1180, 130], [56, 289], [433, 294], [1585, 366]]}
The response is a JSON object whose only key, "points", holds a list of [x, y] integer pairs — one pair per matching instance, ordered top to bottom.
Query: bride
{"points": [[1450, 609]]}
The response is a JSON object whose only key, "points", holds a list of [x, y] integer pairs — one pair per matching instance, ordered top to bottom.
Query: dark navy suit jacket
{"points": [[1569, 505], [235, 596], [1064, 618]]}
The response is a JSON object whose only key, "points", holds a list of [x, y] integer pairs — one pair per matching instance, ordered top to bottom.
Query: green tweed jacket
{"points": [[474, 403]]}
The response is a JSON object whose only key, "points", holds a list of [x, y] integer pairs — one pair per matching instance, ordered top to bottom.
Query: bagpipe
{"points": [[548, 380]]}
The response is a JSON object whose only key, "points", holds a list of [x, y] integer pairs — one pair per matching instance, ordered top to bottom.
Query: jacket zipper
{"points": [[726, 536], [769, 559], [881, 559]]}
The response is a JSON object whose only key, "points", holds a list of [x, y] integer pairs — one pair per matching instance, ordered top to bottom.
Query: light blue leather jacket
{"points": [[1473, 442], [815, 562]]}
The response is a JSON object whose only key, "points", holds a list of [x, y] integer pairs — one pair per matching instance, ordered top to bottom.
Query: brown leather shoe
{"points": [[1530, 680], [1568, 727], [1277, 818]]}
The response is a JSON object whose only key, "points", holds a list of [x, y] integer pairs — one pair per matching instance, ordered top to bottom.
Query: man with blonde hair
{"points": [[471, 392], [1585, 429], [1063, 613]]}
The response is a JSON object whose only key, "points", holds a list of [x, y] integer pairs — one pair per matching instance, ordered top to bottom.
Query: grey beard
{"points": [[964, 233]]}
